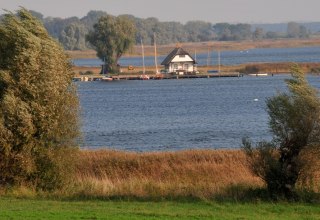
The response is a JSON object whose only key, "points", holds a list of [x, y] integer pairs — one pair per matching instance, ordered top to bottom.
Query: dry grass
{"points": [[194, 173]]}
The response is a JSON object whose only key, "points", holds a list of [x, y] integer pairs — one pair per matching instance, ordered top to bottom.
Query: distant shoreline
{"points": [[201, 47], [271, 68]]}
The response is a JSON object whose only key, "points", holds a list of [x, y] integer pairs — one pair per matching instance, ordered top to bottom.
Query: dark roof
{"points": [[175, 52]]}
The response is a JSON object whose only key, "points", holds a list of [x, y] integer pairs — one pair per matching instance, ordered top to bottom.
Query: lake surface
{"points": [[302, 54], [159, 115]]}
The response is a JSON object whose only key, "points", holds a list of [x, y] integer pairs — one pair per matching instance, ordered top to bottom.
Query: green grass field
{"points": [[12, 208]]}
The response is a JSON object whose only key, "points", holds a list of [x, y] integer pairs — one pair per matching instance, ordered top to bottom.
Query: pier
{"points": [[155, 76]]}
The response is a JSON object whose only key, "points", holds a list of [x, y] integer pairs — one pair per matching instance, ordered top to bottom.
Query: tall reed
{"points": [[194, 173]]}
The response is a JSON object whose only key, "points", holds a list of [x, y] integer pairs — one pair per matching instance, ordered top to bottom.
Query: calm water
{"points": [[304, 54], [177, 114]]}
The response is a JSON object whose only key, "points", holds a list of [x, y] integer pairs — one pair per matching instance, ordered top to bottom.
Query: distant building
{"points": [[179, 62]]}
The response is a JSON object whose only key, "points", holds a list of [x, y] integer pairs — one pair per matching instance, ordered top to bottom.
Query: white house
{"points": [[180, 62]]}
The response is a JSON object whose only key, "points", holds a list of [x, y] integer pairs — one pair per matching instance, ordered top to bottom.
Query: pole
{"points": [[155, 52], [208, 58], [219, 61], [144, 70]]}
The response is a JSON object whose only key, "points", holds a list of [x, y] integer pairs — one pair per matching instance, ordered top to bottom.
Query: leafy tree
{"points": [[92, 18], [55, 26], [295, 30], [199, 31], [230, 32], [258, 34], [73, 37], [111, 37], [38, 105], [295, 123]]}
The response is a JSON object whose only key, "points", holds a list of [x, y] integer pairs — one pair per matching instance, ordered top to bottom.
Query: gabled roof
{"points": [[175, 52]]}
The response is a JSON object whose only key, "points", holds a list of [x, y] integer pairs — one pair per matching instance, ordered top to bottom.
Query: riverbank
{"points": [[202, 47], [271, 68], [198, 174], [189, 175]]}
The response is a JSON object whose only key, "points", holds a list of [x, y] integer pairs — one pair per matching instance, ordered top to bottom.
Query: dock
{"points": [[156, 77]]}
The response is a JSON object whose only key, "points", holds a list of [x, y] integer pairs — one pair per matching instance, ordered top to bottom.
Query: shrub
{"points": [[38, 105], [295, 123]]}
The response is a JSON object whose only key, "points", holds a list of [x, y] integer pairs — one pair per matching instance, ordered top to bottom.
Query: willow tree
{"points": [[112, 37], [38, 105], [294, 152]]}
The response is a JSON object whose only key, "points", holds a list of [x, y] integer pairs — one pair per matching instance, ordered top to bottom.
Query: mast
{"points": [[142, 49], [155, 52], [208, 57], [195, 59], [219, 61]]}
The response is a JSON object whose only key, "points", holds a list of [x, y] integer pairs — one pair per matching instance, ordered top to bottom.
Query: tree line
{"points": [[71, 32]]}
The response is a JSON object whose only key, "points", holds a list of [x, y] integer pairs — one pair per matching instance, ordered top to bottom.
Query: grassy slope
{"points": [[49, 209]]}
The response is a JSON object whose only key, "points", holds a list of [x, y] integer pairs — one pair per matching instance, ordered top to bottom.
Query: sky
{"points": [[214, 11]]}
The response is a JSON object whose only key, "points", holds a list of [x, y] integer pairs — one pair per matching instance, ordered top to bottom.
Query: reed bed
{"points": [[193, 173]]}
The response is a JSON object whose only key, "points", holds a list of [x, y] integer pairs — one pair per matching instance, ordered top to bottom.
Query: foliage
{"points": [[295, 30], [171, 32], [227, 32], [72, 37], [111, 37], [250, 69], [38, 105], [294, 152]]}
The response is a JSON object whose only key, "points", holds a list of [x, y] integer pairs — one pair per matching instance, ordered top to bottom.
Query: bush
{"points": [[250, 69], [38, 105], [294, 152]]}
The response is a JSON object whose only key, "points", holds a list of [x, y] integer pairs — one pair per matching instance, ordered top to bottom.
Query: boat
{"points": [[258, 74], [144, 77], [106, 78]]}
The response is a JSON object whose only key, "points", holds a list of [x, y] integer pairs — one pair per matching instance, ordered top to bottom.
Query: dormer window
{"points": [[182, 56]]}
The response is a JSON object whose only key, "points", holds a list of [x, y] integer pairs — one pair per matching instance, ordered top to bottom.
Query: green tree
{"points": [[295, 30], [258, 34], [73, 37], [111, 38], [38, 105], [295, 123]]}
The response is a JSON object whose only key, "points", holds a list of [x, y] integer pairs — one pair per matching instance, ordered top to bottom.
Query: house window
{"points": [[182, 56], [175, 66], [186, 66]]}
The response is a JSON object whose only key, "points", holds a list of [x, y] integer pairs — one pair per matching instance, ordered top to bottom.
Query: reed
{"points": [[193, 173]]}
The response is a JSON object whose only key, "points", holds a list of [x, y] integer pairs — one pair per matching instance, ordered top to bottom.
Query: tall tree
{"points": [[295, 30], [73, 37], [112, 37], [38, 105], [295, 123]]}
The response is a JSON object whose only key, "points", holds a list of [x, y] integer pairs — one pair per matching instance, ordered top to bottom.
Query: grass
{"points": [[200, 174], [53, 209]]}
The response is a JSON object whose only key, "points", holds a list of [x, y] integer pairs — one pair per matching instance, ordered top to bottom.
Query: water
{"points": [[302, 54], [177, 114]]}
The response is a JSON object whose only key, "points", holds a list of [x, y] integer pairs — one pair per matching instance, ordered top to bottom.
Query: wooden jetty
{"points": [[158, 76]]}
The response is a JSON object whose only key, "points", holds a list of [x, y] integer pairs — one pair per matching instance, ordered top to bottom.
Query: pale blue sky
{"points": [[234, 11]]}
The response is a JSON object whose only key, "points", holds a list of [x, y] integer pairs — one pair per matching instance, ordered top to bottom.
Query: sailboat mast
{"points": [[142, 49], [155, 51], [219, 61]]}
